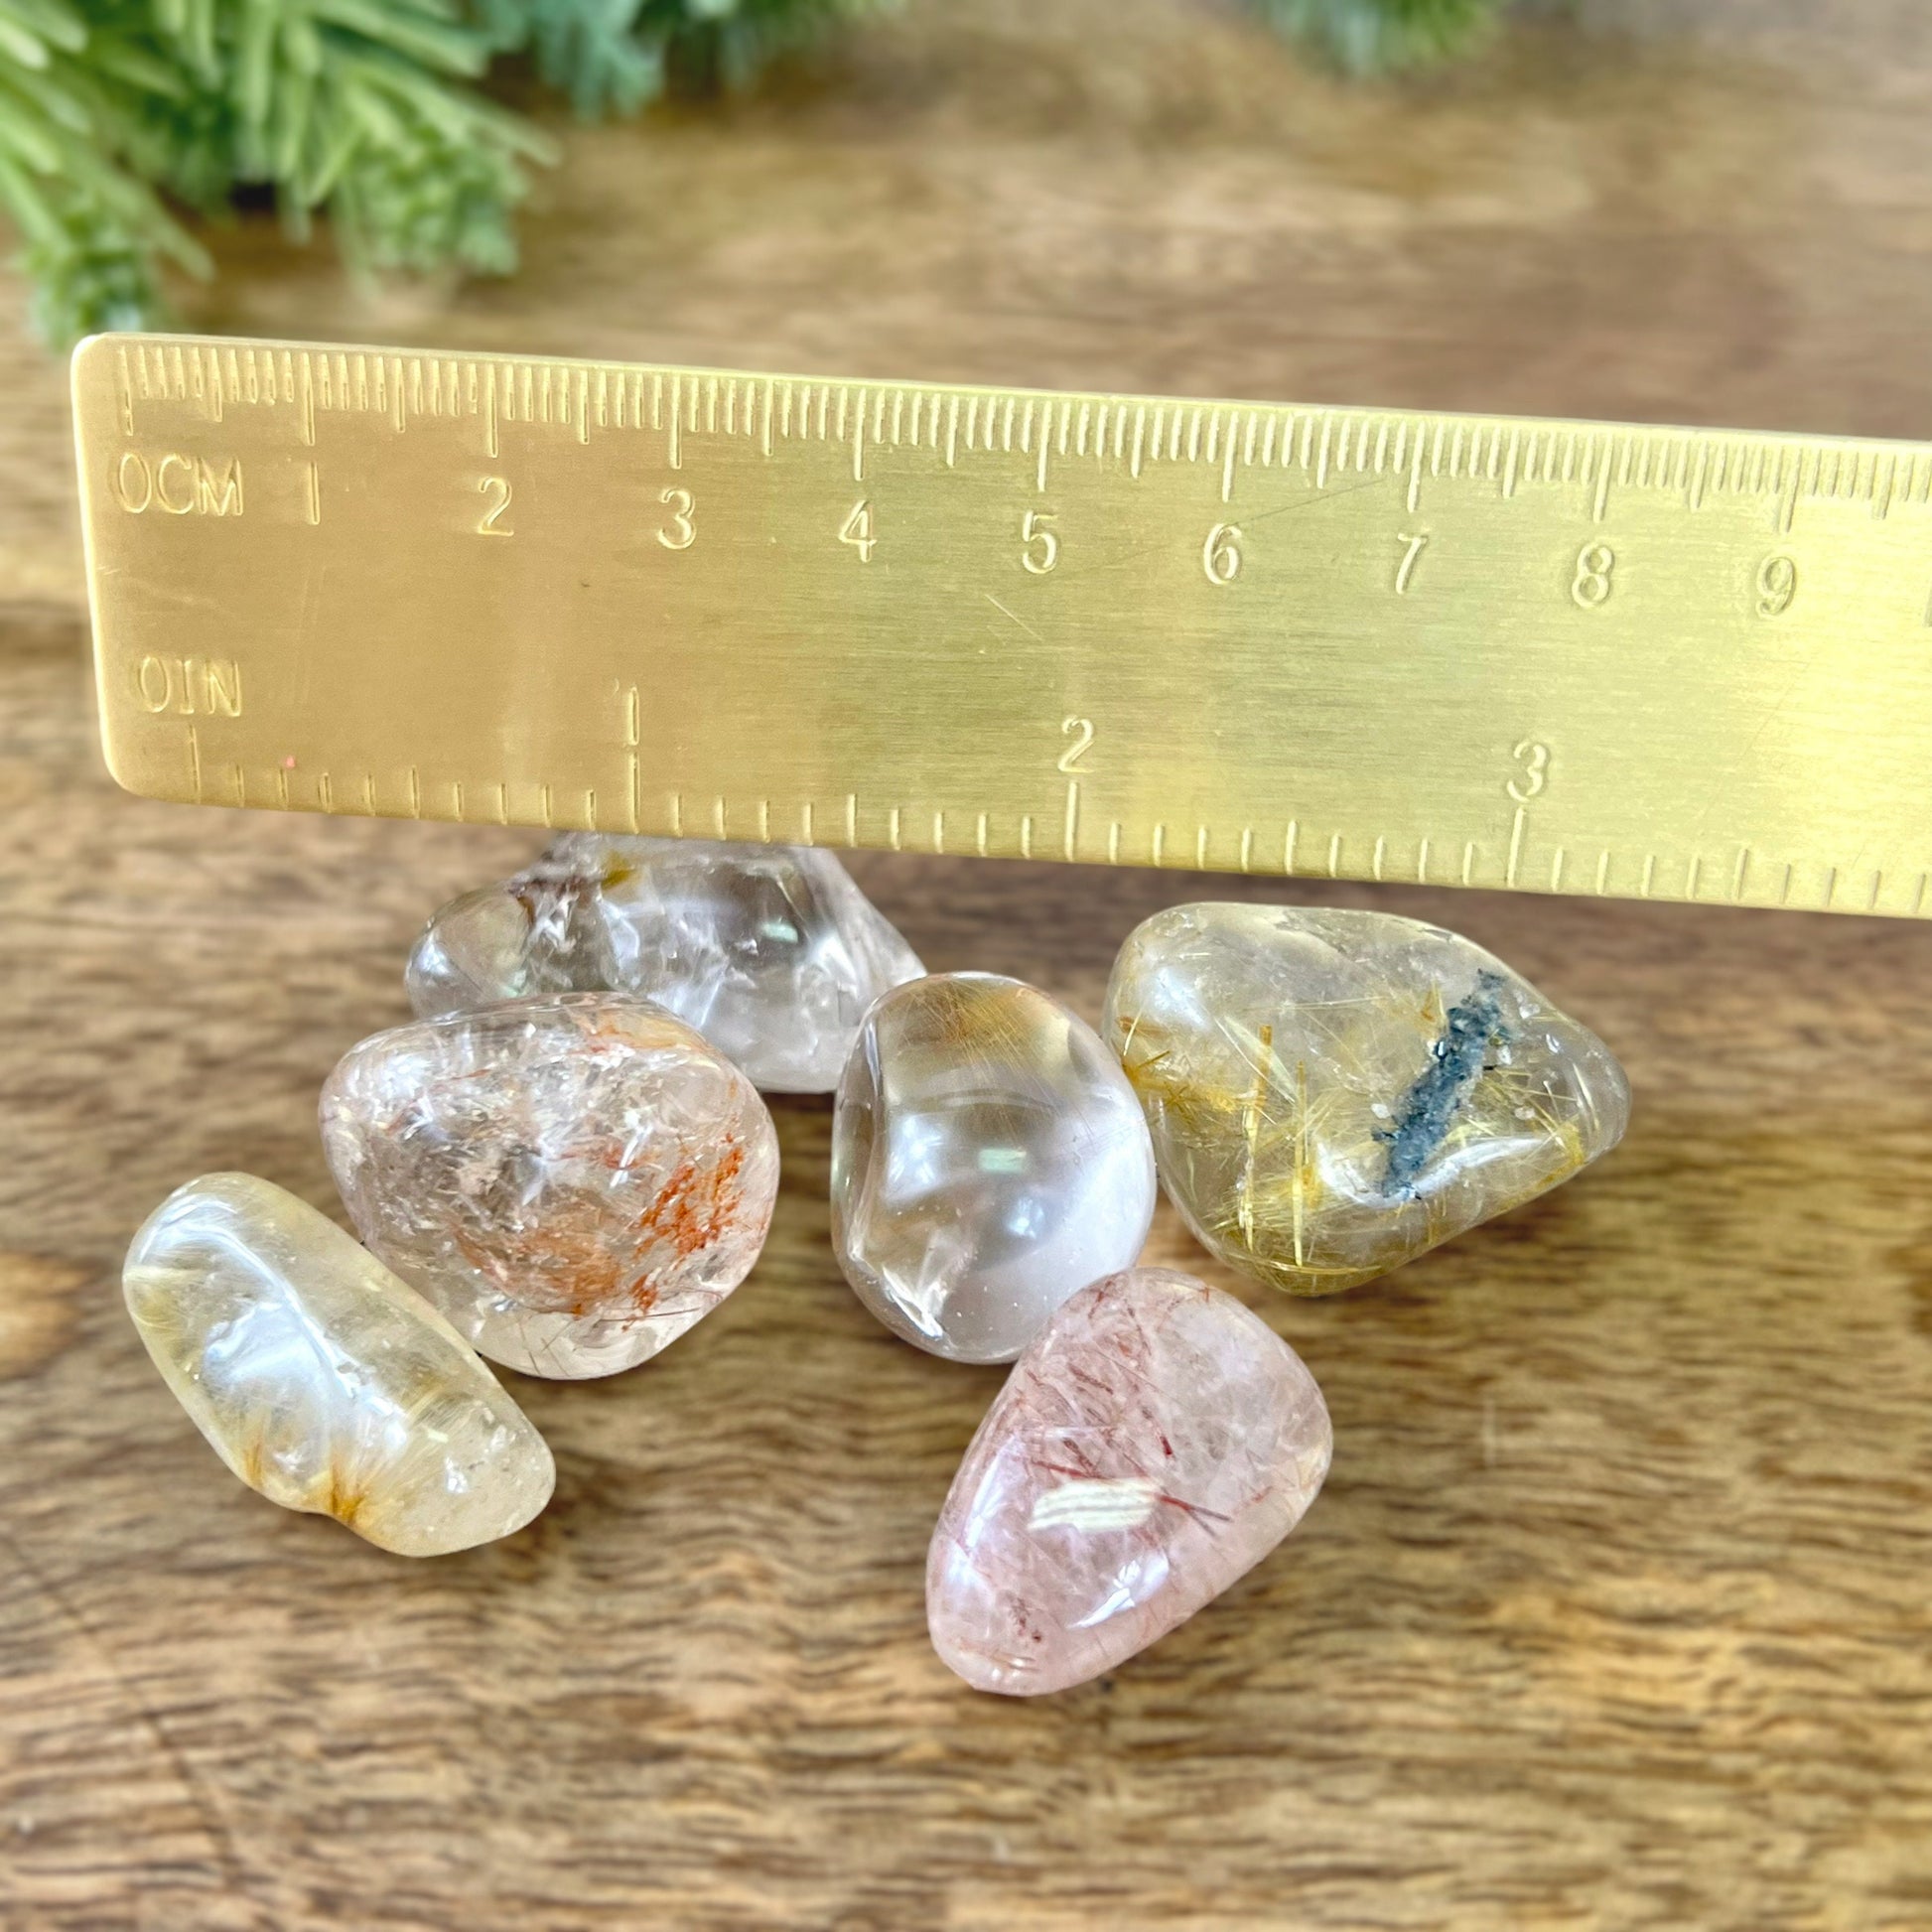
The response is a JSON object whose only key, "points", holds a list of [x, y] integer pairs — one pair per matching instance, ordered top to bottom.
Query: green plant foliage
{"points": [[1363, 37], [616, 55], [117, 113], [121, 120], [91, 231]]}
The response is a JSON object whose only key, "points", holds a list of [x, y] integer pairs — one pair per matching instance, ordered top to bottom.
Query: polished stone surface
{"points": [[772, 952], [1333, 1091], [987, 1161], [574, 1181], [320, 1379], [1154, 1443]]}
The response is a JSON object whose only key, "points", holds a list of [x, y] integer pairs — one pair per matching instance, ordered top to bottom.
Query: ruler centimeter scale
{"points": [[1670, 663]]}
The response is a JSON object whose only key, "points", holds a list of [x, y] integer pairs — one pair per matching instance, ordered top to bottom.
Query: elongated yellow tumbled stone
{"points": [[320, 1379]]}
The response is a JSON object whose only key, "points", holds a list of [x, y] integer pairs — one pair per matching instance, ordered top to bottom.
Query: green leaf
{"points": [[1364, 37], [116, 115]]}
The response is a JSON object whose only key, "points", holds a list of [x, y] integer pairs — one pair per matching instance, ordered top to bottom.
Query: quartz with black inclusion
{"points": [[1333, 1091]]}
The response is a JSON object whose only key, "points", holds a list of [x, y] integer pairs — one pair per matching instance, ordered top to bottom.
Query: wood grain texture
{"points": [[1614, 1612]]}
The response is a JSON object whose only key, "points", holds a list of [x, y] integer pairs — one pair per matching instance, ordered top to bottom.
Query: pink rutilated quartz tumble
{"points": [[573, 1181], [1154, 1443]]}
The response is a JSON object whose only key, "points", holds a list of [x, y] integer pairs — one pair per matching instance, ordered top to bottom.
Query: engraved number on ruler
{"points": [[179, 484], [497, 491], [1033, 530], [858, 531], [681, 532], [1220, 555], [1595, 565], [1405, 569], [1777, 584], [206, 687], [1081, 730], [1535, 774]]}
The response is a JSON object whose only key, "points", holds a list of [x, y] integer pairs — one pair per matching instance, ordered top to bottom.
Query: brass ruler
{"points": [[1672, 663]]}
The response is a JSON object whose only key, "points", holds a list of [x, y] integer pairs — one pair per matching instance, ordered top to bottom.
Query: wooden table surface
{"points": [[1618, 1609]]}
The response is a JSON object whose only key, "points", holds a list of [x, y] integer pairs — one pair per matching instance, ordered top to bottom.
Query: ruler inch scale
{"points": [[1372, 644]]}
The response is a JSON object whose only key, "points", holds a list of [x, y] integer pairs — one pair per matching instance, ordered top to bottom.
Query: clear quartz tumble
{"points": [[772, 952], [987, 1161]]}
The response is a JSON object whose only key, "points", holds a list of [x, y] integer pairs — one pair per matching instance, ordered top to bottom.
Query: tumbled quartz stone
{"points": [[772, 952], [1332, 1091], [987, 1161], [573, 1181], [320, 1379], [1153, 1444]]}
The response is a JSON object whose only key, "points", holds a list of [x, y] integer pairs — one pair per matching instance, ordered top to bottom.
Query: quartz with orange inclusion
{"points": [[1332, 1091], [574, 1182], [320, 1379]]}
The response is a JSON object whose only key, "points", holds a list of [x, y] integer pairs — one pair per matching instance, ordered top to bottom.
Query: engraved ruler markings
{"points": [[1553, 656]]}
